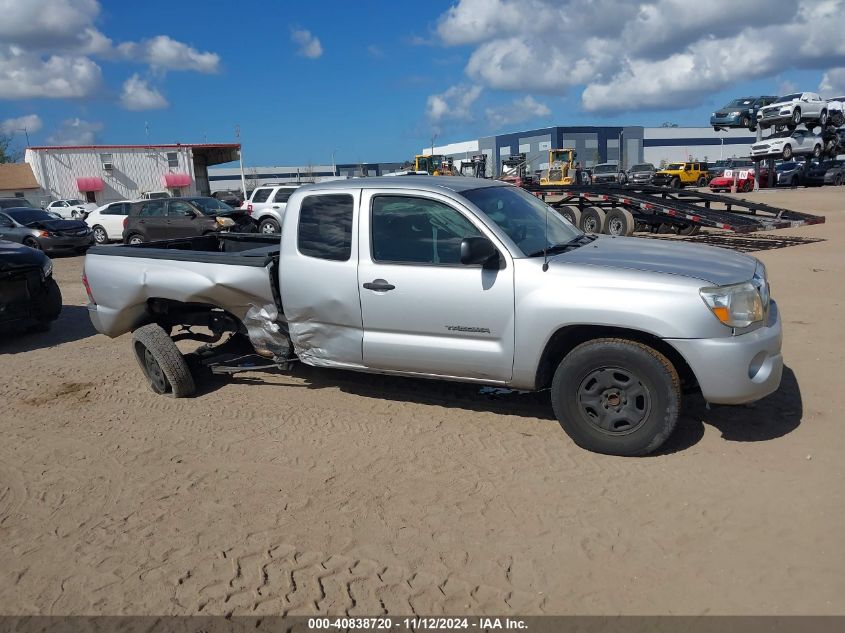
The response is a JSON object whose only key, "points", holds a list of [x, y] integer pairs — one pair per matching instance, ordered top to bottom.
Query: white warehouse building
{"points": [[104, 173]]}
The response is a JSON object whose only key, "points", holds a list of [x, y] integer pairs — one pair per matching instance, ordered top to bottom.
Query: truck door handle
{"points": [[378, 285]]}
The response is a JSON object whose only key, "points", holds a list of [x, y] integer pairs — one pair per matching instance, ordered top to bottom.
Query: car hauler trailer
{"points": [[622, 209]]}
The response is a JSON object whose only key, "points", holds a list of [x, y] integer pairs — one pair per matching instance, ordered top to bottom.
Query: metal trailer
{"points": [[622, 209]]}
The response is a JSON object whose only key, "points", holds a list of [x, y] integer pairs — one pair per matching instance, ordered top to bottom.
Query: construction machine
{"points": [[435, 164], [476, 167], [561, 168], [515, 170]]}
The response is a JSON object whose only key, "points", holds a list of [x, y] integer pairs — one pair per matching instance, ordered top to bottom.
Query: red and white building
{"points": [[103, 173]]}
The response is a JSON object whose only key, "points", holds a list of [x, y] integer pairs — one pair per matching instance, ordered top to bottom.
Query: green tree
{"points": [[9, 153]]}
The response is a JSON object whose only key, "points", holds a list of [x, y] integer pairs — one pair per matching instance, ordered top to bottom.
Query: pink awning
{"points": [[176, 180], [90, 183]]}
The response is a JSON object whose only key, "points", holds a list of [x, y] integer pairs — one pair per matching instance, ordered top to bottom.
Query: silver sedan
{"points": [[41, 230]]}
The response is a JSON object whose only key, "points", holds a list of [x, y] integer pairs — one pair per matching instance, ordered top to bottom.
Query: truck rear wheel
{"points": [[570, 213], [593, 220], [620, 222], [162, 362], [617, 397]]}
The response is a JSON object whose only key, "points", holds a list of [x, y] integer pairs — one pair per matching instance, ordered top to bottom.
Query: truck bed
{"points": [[240, 249], [234, 272]]}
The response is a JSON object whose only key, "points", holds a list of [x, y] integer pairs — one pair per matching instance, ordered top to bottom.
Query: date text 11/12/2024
{"points": [[417, 624]]}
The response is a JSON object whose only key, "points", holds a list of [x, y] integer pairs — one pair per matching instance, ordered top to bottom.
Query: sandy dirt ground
{"points": [[331, 492]]}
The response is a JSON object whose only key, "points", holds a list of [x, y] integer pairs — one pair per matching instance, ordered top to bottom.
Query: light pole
{"points": [[26, 133], [433, 138], [721, 146], [241, 159], [334, 166]]}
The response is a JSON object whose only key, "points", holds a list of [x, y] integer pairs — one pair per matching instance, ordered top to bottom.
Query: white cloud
{"points": [[50, 24], [309, 45], [163, 53], [625, 56], [27, 76], [833, 83], [137, 95], [454, 103], [517, 111], [30, 123], [75, 132]]}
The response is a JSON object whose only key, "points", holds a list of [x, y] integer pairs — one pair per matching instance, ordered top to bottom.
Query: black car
{"points": [[718, 168], [233, 198], [11, 203], [169, 218], [39, 229], [29, 296]]}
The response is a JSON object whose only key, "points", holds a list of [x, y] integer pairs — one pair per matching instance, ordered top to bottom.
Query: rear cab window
{"points": [[325, 226]]}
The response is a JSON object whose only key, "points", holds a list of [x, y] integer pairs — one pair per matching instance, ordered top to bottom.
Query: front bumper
{"points": [[775, 116], [727, 121], [52, 244], [737, 369]]}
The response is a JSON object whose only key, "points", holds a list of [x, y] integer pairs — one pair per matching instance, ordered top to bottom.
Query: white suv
{"points": [[267, 205], [71, 209]]}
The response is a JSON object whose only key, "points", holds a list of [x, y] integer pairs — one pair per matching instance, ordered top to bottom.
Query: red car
{"points": [[744, 179]]}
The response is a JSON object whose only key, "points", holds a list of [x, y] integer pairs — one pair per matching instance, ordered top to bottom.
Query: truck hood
{"points": [[717, 266]]}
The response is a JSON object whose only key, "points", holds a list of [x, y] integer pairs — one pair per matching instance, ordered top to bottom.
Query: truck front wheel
{"points": [[162, 363], [616, 397]]}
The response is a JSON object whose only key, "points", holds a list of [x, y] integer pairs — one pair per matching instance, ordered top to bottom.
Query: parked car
{"points": [[794, 109], [836, 111], [740, 113], [796, 143], [718, 168], [828, 172], [609, 173], [641, 174], [791, 174], [677, 175], [741, 178], [154, 195], [233, 198], [15, 203], [267, 206], [72, 209], [162, 219], [106, 222], [38, 229], [458, 279], [29, 296]]}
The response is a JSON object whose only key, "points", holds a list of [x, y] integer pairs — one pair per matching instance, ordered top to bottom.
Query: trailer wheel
{"points": [[570, 213], [593, 220], [620, 222], [687, 229], [162, 362], [617, 397]]}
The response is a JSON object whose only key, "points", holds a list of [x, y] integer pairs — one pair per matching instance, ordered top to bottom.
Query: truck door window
{"points": [[261, 195], [325, 227], [409, 230]]}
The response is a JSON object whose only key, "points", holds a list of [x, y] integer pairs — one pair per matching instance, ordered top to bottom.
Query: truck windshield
{"points": [[523, 217]]}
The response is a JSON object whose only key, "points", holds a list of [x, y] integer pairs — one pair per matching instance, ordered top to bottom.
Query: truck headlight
{"points": [[225, 222], [737, 305]]}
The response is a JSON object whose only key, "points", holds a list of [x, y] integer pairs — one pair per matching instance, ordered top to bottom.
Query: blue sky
{"points": [[379, 79]]}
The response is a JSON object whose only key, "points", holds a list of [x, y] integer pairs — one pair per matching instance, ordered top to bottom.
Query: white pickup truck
{"points": [[457, 279]]}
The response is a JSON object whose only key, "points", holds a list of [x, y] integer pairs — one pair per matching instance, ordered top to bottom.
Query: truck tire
{"points": [[787, 151], [702, 182], [675, 183], [571, 213], [593, 220], [620, 222], [269, 226], [161, 362], [616, 397]]}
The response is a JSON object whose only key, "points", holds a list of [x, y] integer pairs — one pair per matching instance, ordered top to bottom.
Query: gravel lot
{"points": [[331, 492]]}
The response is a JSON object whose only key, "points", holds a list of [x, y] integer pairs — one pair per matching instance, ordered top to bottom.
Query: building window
{"points": [[172, 159], [107, 162]]}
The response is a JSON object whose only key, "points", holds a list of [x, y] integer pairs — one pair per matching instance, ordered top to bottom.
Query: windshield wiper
{"points": [[565, 246]]}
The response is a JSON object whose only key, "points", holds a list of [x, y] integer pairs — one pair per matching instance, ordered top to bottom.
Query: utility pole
{"points": [[26, 133], [433, 138], [241, 158], [334, 165]]}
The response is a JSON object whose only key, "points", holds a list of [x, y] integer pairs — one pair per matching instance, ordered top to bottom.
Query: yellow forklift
{"points": [[561, 168]]}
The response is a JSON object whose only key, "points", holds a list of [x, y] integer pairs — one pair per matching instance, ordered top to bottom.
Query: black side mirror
{"points": [[477, 250]]}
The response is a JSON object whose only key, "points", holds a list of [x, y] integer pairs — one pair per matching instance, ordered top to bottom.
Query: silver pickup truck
{"points": [[457, 279]]}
